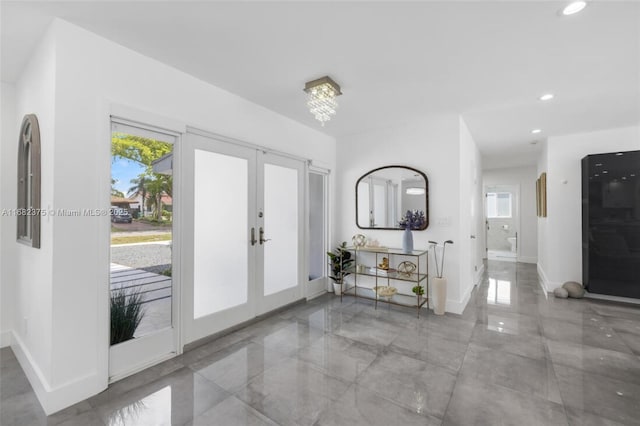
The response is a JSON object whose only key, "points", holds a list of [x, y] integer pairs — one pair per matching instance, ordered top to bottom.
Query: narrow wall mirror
{"points": [[384, 195]]}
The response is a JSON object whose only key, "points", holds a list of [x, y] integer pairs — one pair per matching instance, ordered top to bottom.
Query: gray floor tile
{"points": [[588, 333], [525, 345], [430, 347], [617, 365], [526, 375], [399, 378], [292, 393], [609, 398], [475, 402], [361, 407], [231, 411]]}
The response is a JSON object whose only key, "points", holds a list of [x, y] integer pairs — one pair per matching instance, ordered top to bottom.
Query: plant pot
{"points": [[439, 286], [337, 289]]}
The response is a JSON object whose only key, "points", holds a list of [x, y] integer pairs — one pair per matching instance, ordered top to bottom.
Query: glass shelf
{"points": [[413, 277]]}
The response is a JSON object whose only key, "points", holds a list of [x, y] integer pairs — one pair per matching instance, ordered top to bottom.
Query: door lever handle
{"points": [[253, 237], [262, 239]]}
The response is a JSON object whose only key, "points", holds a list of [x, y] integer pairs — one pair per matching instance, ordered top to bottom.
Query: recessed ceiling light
{"points": [[574, 7], [546, 97], [536, 131], [619, 153], [598, 164], [605, 172], [596, 175], [632, 175], [624, 178]]}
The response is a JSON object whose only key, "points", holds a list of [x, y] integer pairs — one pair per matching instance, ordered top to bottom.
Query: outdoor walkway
{"points": [[156, 295]]}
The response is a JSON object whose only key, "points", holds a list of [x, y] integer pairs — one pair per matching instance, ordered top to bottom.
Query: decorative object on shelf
{"points": [[321, 98], [404, 188], [412, 219], [359, 240], [339, 262], [384, 264], [406, 268], [439, 283], [574, 289], [418, 290], [385, 291]]}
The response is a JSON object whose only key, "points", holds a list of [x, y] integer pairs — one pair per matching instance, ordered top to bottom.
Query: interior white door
{"points": [[280, 225], [219, 253]]}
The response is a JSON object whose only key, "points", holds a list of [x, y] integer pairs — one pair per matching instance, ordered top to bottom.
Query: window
{"points": [[29, 182], [498, 205]]}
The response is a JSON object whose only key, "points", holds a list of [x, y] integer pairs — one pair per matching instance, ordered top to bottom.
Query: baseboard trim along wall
{"points": [[527, 259], [547, 286], [612, 298], [54, 399]]}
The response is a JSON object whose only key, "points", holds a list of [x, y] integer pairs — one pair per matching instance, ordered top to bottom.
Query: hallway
{"points": [[515, 357]]}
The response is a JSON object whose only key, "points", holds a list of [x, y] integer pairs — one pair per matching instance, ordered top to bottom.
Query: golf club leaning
{"points": [[440, 270]]}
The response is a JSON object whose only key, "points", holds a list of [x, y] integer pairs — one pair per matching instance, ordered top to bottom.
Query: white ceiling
{"points": [[488, 61]]}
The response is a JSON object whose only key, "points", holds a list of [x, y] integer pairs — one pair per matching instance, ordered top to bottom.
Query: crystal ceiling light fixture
{"points": [[321, 98]]}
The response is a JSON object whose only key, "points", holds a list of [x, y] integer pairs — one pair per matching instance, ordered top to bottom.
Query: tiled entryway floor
{"points": [[515, 357]]}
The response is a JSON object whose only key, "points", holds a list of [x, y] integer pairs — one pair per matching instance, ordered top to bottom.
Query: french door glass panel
{"points": [[221, 208], [281, 208], [317, 228]]}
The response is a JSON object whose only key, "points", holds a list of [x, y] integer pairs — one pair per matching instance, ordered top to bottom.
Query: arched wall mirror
{"points": [[384, 195]]}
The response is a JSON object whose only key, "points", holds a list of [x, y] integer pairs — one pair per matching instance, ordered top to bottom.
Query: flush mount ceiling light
{"points": [[574, 7], [546, 97], [321, 98], [536, 131], [415, 191]]}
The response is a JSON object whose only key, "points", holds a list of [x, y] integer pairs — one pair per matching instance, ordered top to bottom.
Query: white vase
{"points": [[407, 240], [439, 286], [337, 289]]}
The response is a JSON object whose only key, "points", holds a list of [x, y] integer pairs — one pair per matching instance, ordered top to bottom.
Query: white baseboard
{"points": [[528, 259], [478, 277], [547, 286], [5, 338], [53, 399]]}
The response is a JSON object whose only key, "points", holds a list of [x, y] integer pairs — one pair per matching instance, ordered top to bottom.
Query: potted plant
{"points": [[413, 219], [339, 262], [418, 290], [126, 314]]}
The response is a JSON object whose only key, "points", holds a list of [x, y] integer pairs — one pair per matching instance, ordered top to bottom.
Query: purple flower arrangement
{"points": [[413, 219]]}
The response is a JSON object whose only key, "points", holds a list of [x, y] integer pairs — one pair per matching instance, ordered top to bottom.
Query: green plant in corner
{"points": [[339, 262], [418, 290], [126, 314]]}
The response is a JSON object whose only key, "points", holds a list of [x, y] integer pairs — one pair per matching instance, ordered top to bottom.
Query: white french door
{"points": [[244, 237]]}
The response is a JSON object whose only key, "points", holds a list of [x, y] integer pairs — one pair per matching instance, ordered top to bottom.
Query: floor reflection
{"points": [[499, 292]]}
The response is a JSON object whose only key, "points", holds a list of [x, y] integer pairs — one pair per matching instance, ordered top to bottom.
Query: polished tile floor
{"points": [[515, 357]]}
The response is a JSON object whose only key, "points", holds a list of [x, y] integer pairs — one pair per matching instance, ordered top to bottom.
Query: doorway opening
{"points": [[501, 222], [318, 236], [142, 279]]}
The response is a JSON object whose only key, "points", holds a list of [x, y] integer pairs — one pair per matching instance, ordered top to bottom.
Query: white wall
{"points": [[93, 76], [433, 146], [8, 151], [525, 179], [471, 207], [560, 252], [28, 271]]}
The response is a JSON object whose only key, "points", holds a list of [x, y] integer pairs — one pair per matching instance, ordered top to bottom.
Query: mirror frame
{"points": [[426, 197]]}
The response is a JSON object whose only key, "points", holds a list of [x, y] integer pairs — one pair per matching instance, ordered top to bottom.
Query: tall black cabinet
{"points": [[611, 223]]}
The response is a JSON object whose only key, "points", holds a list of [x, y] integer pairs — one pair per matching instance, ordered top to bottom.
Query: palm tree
{"points": [[140, 188]]}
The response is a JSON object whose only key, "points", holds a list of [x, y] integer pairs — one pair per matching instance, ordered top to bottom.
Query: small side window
{"points": [[498, 205], [28, 212]]}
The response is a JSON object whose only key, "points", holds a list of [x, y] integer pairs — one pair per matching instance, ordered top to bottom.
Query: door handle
{"points": [[253, 237], [473, 237], [262, 239]]}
